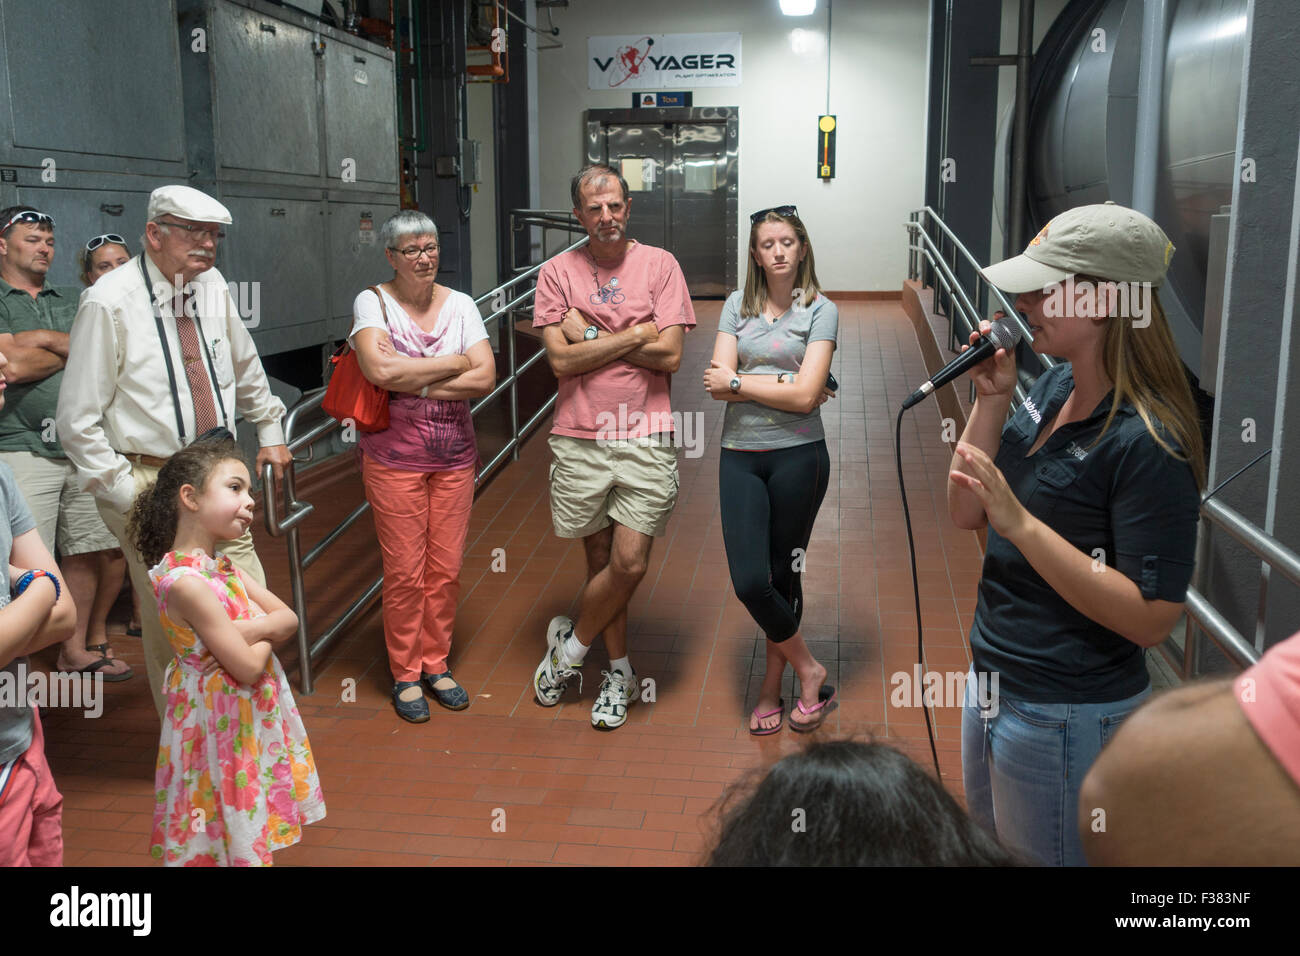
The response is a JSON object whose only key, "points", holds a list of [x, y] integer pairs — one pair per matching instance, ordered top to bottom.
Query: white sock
{"points": [[573, 649], [621, 664]]}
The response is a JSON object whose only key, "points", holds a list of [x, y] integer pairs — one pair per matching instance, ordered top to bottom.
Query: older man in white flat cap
{"points": [[159, 356]]}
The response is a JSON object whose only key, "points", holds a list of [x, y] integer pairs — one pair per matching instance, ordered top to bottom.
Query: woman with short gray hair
{"points": [[426, 344]]}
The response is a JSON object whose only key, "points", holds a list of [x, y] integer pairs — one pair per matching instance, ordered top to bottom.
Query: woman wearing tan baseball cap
{"points": [[1091, 492]]}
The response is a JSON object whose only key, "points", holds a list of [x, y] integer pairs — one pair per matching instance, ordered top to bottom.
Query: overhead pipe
{"points": [[499, 68], [1151, 74], [1020, 139]]}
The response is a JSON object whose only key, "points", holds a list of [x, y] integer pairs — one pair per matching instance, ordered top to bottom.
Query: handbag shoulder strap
{"points": [[383, 309]]}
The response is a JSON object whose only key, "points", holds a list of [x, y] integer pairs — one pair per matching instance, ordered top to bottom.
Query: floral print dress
{"points": [[235, 778]]}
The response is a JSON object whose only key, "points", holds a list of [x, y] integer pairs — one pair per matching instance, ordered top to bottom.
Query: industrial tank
{"points": [[1082, 130]]}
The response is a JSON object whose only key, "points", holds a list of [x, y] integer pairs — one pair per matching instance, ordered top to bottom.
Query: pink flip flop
{"points": [[825, 704], [767, 731]]}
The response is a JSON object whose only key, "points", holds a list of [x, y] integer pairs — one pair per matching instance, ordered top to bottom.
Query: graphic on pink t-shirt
{"points": [[614, 294]]}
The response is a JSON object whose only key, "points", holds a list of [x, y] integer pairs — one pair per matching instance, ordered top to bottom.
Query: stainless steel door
{"points": [[642, 153], [680, 165], [697, 206]]}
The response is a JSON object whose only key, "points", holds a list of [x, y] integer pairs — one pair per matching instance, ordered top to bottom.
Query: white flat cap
{"points": [[186, 203]]}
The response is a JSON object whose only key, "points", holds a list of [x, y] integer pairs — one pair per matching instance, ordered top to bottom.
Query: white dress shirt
{"points": [[116, 398]]}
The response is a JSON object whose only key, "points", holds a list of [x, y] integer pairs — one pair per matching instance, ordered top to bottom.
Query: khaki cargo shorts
{"points": [[593, 482], [66, 516]]}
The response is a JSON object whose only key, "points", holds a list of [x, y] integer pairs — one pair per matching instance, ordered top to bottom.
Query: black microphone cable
{"points": [[1004, 335], [916, 588]]}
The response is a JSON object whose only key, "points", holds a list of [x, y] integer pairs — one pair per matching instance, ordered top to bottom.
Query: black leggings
{"points": [[769, 503]]}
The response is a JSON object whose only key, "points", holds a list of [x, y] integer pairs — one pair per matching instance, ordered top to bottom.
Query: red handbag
{"points": [[350, 395]]}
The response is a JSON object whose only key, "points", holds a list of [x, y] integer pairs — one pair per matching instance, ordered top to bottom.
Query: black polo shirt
{"points": [[1127, 497]]}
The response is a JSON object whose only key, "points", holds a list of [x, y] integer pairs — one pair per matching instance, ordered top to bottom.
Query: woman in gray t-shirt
{"points": [[770, 364]]}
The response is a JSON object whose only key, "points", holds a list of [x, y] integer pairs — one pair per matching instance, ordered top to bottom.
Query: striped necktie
{"points": [[196, 373]]}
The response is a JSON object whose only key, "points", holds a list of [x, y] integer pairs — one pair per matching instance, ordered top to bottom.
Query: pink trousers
{"points": [[421, 519], [31, 808]]}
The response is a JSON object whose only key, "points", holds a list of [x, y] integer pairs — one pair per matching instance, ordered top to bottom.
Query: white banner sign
{"points": [[664, 60]]}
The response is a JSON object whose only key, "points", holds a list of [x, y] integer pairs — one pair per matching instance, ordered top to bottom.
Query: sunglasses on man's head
{"points": [[779, 210], [28, 216], [106, 237]]}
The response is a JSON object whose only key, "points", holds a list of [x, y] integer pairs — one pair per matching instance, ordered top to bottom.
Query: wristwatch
{"points": [[590, 333], [734, 384]]}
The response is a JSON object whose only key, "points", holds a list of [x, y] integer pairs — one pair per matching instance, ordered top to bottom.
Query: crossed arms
{"points": [[642, 345], [34, 354], [34, 619]]}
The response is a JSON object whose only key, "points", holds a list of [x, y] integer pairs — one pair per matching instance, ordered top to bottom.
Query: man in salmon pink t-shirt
{"points": [[613, 316]]}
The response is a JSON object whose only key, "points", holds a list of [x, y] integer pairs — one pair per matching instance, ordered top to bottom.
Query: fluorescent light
{"points": [[798, 8]]}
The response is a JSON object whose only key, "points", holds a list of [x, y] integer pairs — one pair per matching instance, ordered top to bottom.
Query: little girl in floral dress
{"points": [[235, 778]]}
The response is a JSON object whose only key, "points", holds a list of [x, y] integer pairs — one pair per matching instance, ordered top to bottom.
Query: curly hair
{"points": [[154, 516], [849, 803]]}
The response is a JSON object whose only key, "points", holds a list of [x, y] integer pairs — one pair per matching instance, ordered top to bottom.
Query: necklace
{"points": [[595, 274], [607, 293]]}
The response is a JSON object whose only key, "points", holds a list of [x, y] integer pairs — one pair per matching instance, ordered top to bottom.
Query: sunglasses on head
{"points": [[779, 210], [28, 216], [106, 237]]}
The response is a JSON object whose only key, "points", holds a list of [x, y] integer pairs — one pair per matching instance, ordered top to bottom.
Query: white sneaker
{"points": [[553, 673], [617, 692]]}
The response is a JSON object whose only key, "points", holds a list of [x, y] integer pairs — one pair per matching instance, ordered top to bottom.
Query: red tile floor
{"points": [[567, 794]]}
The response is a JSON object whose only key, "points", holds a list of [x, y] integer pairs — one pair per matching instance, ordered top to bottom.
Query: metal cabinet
{"points": [[92, 88], [264, 102], [256, 104], [360, 116], [84, 205], [355, 255], [275, 256]]}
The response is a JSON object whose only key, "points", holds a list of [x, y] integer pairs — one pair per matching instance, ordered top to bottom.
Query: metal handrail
{"points": [[560, 220], [1008, 307], [967, 312], [296, 511], [1269, 549], [1201, 616]]}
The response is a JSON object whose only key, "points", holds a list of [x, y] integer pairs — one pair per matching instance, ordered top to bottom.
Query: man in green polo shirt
{"points": [[35, 318]]}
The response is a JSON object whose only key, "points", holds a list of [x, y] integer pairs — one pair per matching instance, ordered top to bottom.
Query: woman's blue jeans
{"points": [[1023, 765]]}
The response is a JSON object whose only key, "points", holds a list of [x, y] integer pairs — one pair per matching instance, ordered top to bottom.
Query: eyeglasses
{"points": [[779, 210], [29, 216], [207, 232], [106, 237], [413, 254]]}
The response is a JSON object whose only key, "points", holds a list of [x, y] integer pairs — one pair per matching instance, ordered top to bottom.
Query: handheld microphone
{"points": [[1002, 335]]}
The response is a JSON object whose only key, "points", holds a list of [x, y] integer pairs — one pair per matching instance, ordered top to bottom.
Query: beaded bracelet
{"points": [[25, 581]]}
